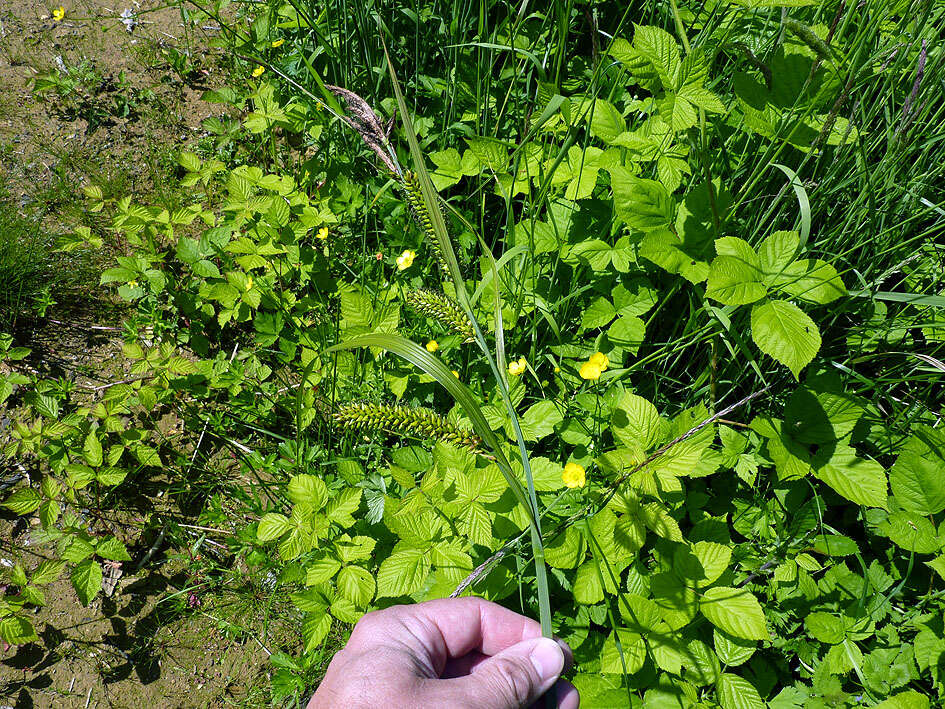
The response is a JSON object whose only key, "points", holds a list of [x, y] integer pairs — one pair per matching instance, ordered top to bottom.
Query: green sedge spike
{"points": [[809, 37], [410, 183], [443, 309], [404, 420]]}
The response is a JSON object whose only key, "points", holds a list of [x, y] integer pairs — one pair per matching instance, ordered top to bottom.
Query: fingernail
{"points": [[547, 658]]}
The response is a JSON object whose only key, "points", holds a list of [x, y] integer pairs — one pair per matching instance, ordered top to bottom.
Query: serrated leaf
{"points": [[642, 204], [784, 332], [636, 423], [917, 478], [860, 480], [309, 490], [23, 501], [272, 526], [112, 549], [403, 572], [86, 578], [356, 584], [736, 611], [16, 630], [622, 649], [738, 693]]}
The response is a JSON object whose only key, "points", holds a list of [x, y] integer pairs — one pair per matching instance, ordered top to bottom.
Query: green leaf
{"points": [[659, 48], [606, 121], [644, 205], [776, 252], [735, 276], [812, 280], [784, 332], [540, 420], [636, 423], [92, 450], [916, 478], [859, 480], [307, 489], [23, 501], [272, 526], [912, 532], [112, 549], [702, 563], [47, 572], [403, 572], [87, 580], [356, 584], [735, 611], [825, 627], [16, 630], [622, 647], [731, 650], [738, 693]]}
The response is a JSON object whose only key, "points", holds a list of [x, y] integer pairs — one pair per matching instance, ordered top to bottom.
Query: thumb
{"points": [[513, 678]]}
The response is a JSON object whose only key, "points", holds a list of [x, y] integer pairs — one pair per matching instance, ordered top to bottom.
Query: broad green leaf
{"points": [[659, 48], [606, 121], [642, 204], [776, 252], [735, 276], [812, 280], [599, 313], [784, 332], [540, 420], [636, 423], [92, 450], [917, 477], [860, 480], [307, 489], [23, 501], [272, 526], [911, 532], [112, 549], [702, 563], [47, 572], [403, 572], [87, 580], [588, 583], [356, 584], [736, 611], [315, 627], [825, 627], [16, 630], [622, 648], [731, 650], [702, 666], [738, 693], [909, 699]]}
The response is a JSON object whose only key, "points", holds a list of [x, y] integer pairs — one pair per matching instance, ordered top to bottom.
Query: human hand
{"points": [[447, 654]]}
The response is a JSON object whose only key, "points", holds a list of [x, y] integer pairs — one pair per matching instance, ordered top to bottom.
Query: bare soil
{"points": [[139, 647]]}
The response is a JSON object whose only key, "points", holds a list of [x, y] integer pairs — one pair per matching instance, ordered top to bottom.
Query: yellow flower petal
{"points": [[59, 14], [278, 42], [258, 71], [322, 233], [405, 260], [432, 346], [600, 359], [589, 370], [455, 373], [573, 475]]}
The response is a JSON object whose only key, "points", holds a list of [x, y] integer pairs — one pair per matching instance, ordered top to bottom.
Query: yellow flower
{"points": [[59, 14], [278, 42], [258, 71], [322, 233], [405, 260], [249, 283], [132, 284], [433, 346], [600, 359], [517, 367], [557, 370], [589, 370], [455, 373], [573, 475]]}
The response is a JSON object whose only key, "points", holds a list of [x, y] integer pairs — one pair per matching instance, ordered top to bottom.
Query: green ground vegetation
{"points": [[635, 309]]}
